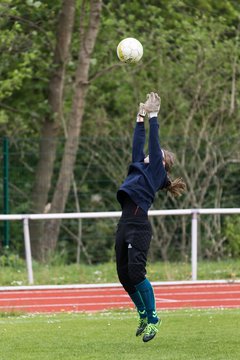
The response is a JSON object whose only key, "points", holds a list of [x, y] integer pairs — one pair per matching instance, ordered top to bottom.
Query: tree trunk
{"points": [[51, 125], [74, 126]]}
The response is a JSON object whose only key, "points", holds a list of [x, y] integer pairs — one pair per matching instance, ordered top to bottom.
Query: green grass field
{"points": [[105, 273], [184, 335]]}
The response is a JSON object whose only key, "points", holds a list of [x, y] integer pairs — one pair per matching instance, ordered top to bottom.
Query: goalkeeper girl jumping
{"points": [[146, 175]]}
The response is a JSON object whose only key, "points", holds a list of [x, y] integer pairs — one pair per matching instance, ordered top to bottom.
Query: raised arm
{"points": [[152, 106], [139, 137], [154, 147]]}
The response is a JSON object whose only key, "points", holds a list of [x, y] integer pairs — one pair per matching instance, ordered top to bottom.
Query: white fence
{"points": [[195, 213]]}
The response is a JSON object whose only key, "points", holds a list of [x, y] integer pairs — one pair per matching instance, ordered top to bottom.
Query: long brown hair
{"points": [[169, 159], [176, 187]]}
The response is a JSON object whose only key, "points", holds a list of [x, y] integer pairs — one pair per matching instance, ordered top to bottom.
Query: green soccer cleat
{"points": [[141, 326], [151, 330]]}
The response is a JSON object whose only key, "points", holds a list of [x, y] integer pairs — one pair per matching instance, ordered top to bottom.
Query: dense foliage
{"points": [[191, 57]]}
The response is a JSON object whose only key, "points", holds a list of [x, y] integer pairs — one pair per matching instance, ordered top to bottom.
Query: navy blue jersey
{"points": [[144, 180]]}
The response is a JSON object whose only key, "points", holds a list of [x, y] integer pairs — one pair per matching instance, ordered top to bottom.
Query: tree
{"points": [[195, 72], [52, 122], [46, 240]]}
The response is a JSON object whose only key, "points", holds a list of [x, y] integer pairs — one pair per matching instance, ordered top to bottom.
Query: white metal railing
{"points": [[116, 214]]}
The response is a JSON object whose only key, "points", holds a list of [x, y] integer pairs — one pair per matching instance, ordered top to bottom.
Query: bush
{"points": [[232, 232], [11, 260]]}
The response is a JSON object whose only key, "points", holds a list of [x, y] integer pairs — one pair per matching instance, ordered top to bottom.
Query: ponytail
{"points": [[176, 187]]}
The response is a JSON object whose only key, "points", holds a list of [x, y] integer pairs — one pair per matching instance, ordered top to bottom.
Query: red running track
{"points": [[89, 299]]}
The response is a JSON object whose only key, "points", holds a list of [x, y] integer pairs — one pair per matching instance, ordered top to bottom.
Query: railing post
{"points": [[6, 191], [194, 245], [28, 250]]}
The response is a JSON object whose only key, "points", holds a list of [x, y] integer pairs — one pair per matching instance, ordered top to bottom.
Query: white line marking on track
{"points": [[117, 287], [62, 297], [165, 300], [206, 300], [119, 303], [66, 305]]}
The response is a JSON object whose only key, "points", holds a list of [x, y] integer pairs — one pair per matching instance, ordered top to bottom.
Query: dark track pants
{"points": [[133, 239]]}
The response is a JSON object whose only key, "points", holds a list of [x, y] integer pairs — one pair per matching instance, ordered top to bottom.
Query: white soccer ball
{"points": [[129, 50]]}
